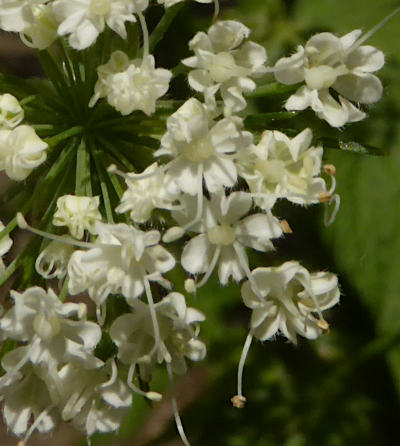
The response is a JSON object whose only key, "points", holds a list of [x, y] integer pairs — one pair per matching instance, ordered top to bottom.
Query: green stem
{"points": [[73, 131], [82, 178], [103, 184], [10, 271], [64, 290]]}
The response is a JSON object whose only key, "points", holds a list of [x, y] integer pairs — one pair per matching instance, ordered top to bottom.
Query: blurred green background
{"points": [[342, 390]]}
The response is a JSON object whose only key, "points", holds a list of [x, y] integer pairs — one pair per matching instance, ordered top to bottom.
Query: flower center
{"points": [[100, 7], [223, 67], [323, 76], [199, 150], [272, 170], [221, 235], [46, 327]]}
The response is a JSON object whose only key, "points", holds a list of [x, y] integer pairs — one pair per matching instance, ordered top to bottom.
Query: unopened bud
{"points": [[112, 168], [330, 169], [325, 197], [21, 222], [285, 227], [173, 234], [190, 286], [323, 325], [238, 401]]}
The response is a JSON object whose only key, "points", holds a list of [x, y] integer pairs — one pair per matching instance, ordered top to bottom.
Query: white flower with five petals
{"points": [[84, 20], [224, 61], [326, 63], [131, 85], [201, 148], [283, 167], [225, 232], [122, 260], [289, 300], [134, 335]]}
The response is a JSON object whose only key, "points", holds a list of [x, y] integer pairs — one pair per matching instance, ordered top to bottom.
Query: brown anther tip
{"points": [[330, 169], [325, 197], [285, 227], [323, 325], [238, 401]]}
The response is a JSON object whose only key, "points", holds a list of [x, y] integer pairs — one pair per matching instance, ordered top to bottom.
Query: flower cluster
{"points": [[158, 185]]}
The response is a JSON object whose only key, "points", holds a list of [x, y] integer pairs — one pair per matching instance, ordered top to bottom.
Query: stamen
{"points": [[216, 9], [145, 33], [370, 33], [137, 176], [200, 198], [335, 201], [22, 224], [285, 227], [245, 266], [211, 267], [101, 313], [156, 328], [113, 377], [153, 396], [239, 400], [178, 421], [35, 424]]}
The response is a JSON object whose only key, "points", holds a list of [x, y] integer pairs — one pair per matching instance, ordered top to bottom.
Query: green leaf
{"points": [[261, 120], [350, 146], [365, 239]]}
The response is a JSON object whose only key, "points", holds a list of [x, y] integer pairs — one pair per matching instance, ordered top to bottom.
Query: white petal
{"points": [[366, 58], [364, 88], [197, 254]]}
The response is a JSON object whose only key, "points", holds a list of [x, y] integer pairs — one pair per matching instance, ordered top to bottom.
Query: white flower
{"points": [[16, 15], [84, 20], [42, 32], [223, 60], [338, 63], [131, 85], [11, 112], [202, 148], [21, 150], [283, 167], [144, 195], [78, 214], [224, 234], [5, 246], [123, 259], [53, 260], [290, 301], [56, 332], [134, 335], [26, 397], [94, 400]]}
